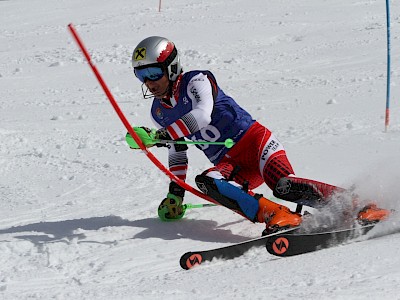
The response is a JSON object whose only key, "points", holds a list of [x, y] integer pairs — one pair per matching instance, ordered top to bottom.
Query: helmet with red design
{"points": [[157, 52]]}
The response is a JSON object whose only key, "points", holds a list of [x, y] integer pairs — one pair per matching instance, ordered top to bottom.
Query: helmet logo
{"points": [[140, 54]]}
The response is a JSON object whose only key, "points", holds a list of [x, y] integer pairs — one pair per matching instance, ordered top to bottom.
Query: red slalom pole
{"points": [[387, 111], [126, 122]]}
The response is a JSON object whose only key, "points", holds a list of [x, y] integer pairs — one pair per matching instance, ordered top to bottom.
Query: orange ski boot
{"points": [[371, 214], [276, 216]]}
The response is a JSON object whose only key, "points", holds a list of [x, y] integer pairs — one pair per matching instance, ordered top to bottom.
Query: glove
{"points": [[162, 134], [146, 135], [176, 189]]}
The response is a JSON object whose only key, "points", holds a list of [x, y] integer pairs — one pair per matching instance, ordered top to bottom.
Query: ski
{"points": [[299, 243], [191, 259]]}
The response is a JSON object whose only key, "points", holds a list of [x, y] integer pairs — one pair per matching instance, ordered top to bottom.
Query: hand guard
{"points": [[147, 136], [171, 208]]}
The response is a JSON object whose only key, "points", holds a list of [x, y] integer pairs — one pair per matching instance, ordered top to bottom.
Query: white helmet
{"points": [[157, 51]]}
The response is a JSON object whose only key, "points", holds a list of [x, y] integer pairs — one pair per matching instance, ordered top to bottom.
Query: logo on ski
{"points": [[280, 245], [194, 260]]}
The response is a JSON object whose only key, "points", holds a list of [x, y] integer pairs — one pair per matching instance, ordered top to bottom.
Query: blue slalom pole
{"points": [[387, 113]]}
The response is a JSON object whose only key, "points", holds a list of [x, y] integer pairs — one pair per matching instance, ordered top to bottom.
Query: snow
{"points": [[78, 208]]}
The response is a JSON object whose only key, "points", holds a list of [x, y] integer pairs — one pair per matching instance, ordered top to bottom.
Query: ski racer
{"points": [[192, 105]]}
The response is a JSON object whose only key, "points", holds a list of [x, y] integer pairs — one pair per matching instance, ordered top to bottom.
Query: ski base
{"points": [[191, 259]]}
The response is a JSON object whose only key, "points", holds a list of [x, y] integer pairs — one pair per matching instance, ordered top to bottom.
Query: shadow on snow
{"points": [[65, 231]]}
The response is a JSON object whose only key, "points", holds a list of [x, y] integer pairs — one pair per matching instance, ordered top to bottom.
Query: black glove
{"points": [[162, 134], [176, 189]]}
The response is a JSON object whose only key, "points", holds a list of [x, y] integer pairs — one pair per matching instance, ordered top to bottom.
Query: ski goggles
{"points": [[149, 73]]}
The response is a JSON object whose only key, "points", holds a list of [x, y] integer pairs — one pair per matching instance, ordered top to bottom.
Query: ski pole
{"points": [[228, 143], [190, 205]]}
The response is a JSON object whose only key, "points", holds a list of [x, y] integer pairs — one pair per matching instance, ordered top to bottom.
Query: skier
{"points": [[192, 105]]}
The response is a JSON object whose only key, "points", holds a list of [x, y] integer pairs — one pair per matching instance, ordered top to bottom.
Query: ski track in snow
{"points": [[78, 207]]}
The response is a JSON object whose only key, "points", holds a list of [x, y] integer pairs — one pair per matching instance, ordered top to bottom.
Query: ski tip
{"points": [[190, 259]]}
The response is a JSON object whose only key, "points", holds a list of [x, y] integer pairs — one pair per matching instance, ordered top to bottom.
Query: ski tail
{"points": [[195, 258]]}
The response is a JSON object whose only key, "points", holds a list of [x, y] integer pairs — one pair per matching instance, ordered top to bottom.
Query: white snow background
{"points": [[78, 208]]}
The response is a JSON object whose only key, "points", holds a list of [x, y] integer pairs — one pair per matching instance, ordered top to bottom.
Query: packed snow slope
{"points": [[78, 207]]}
